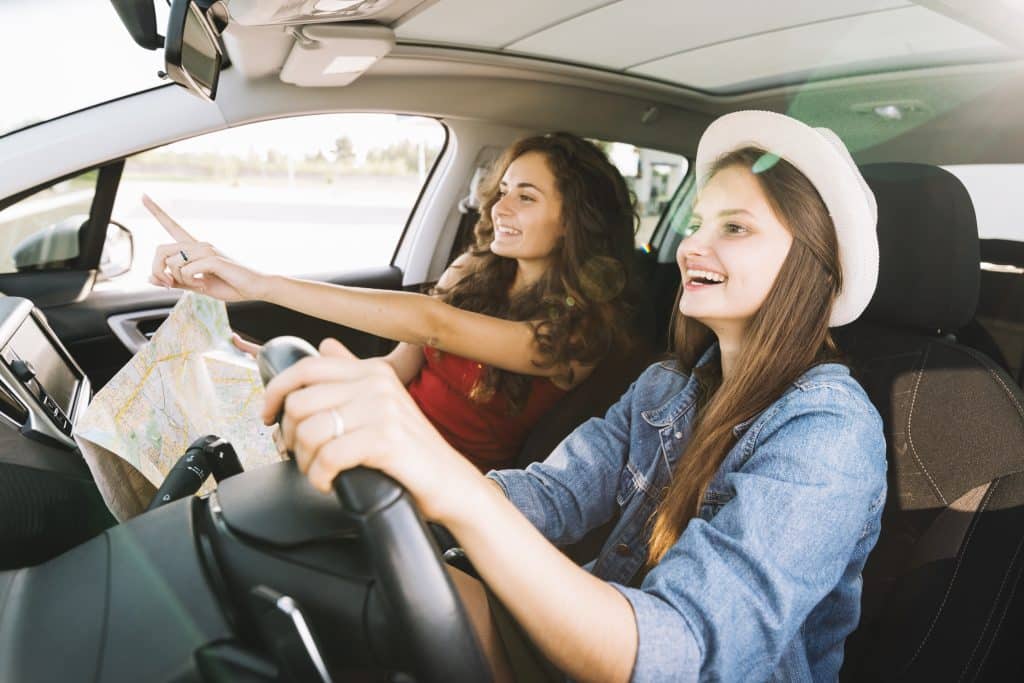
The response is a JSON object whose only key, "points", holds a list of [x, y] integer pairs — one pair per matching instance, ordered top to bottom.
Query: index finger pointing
{"points": [[170, 225]]}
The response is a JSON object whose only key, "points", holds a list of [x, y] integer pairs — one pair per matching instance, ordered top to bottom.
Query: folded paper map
{"points": [[188, 381]]}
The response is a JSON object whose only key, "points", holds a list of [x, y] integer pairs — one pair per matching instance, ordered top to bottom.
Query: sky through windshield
{"points": [[63, 55]]}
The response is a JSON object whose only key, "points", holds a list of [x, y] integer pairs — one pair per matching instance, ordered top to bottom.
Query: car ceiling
{"points": [[724, 47], [946, 63]]}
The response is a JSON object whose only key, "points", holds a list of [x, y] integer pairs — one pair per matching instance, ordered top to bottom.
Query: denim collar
{"points": [[682, 401], [676, 406]]}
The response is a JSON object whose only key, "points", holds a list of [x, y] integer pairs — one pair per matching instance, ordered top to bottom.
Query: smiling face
{"points": [[527, 217], [730, 261]]}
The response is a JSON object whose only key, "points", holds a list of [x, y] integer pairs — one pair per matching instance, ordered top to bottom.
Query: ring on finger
{"points": [[184, 256], [339, 423]]}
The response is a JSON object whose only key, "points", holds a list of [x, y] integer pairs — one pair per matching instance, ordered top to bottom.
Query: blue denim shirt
{"points": [[765, 584]]}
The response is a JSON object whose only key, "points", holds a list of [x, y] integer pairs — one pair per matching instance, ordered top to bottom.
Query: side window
{"points": [[653, 176], [300, 196], [994, 202], [677, 222], [41, 230]]}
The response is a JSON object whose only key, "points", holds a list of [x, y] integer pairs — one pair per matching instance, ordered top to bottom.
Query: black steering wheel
{"points": [[412, 575]]}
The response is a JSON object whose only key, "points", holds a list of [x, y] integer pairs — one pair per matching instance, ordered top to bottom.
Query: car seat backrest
{"points": [[939, 588]]}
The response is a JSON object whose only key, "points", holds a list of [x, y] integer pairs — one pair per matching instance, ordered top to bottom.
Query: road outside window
{"points": [[311, 195], [41, 230]]}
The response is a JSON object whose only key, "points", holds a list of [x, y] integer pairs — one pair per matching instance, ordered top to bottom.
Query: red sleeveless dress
{"points": [[485, 432]]}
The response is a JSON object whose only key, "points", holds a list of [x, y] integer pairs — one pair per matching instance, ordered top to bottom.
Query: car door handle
{"points": [[125, 326]]}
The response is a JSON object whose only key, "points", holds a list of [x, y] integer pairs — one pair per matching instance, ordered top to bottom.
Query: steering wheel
{"points": [[405, 559]]}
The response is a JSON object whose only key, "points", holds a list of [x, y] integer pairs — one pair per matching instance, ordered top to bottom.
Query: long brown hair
{"points": [[579, 306], [786, 336]]}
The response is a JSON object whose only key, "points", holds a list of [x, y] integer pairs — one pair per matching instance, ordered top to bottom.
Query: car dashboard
{"points": [[42, 389]]}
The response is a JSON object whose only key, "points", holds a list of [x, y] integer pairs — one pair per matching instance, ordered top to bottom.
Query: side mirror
{"points": [[193, 55], [51, 247], [57, 247], [118, 252]]}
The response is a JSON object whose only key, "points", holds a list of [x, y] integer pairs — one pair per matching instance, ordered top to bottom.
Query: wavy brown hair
{"points": [[580, 307], [786, 336]]}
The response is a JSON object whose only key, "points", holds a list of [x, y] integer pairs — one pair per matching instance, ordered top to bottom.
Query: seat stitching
{"points": [[1020, 411], [910, 418], [956, 570], [1002, 585]]}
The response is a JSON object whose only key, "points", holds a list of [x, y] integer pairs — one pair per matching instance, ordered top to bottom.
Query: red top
{"points": [[484, 432]]}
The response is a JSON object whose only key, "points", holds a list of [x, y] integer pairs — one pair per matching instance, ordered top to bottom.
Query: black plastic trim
{"points": [[90, 245]]}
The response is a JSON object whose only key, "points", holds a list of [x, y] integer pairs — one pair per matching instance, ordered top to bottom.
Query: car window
{"points": [[60, 56], [652, 175], [991, 187], [300, 196], [676, 222], [41, 230]]}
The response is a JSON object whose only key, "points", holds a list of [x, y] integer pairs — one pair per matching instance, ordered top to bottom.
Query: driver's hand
{"points": [[341, 412]]}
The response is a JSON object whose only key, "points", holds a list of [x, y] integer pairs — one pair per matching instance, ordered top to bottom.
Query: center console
{"points": [[42, 389], [48, 499]]}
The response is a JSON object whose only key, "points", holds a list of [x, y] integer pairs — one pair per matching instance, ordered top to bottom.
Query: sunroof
{"points": [[724, 47]]}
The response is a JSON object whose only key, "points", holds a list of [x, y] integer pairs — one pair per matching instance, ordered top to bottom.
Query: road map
{"points": [[188, 381]]}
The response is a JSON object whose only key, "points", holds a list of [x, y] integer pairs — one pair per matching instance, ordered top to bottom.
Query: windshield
{"points": [[60, 56]]}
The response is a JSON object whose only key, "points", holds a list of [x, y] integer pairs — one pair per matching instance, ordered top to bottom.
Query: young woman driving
{"points": [[516, 321], [748, 473]]}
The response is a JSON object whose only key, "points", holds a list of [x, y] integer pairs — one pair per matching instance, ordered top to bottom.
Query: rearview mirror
{"points": [[193, 54]]}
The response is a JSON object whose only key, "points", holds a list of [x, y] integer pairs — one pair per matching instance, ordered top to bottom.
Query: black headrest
{"points": [[928, 270]]}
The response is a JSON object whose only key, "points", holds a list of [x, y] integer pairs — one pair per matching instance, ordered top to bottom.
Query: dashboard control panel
{"points": [[42, 389]]}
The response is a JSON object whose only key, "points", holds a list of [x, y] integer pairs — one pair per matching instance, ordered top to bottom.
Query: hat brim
{"points": [[821, 156]]}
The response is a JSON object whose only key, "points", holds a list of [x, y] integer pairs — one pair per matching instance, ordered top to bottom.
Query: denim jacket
{"points": [[765, 584]]}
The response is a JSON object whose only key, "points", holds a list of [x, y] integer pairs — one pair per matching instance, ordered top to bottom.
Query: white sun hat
{"points": [[822, 157]]}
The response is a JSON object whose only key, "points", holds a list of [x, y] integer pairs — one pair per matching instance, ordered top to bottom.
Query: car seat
{"points": [[940, 599]]}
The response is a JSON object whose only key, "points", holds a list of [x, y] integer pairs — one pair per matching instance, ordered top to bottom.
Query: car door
{"points": [[322, 196]]}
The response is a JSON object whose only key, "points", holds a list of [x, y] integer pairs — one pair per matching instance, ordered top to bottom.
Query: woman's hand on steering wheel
{"points": [[198, 266], [341, 412]]}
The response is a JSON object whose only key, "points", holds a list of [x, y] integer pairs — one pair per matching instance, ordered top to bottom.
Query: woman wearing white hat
{"points": [[747, 474]]}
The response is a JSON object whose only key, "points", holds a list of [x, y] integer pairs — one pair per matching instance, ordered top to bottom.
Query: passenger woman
{"points": [[515, 322], [748, 473]]}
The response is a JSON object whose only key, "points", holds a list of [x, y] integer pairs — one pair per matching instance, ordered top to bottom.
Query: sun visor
{"points": [[332, 55]]}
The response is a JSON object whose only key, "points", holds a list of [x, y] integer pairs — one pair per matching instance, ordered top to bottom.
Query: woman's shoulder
{"points": [[464, 264], [831, 384], [826, 405]]}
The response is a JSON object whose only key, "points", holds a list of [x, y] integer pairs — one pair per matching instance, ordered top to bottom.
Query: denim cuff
{"points": [[518, 488], [666, 647]]}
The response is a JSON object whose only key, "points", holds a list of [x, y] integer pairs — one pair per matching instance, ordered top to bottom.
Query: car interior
{"points": [[232, 586]]}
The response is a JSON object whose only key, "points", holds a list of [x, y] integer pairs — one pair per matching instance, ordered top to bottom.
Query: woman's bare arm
{"points": [[422, 320]]}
